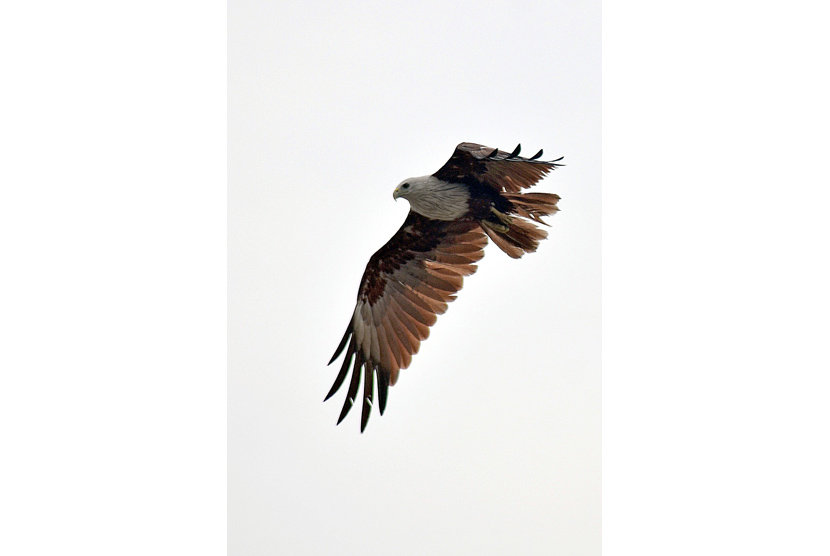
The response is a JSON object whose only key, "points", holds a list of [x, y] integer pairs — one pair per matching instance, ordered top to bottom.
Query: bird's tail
{"points": [[515, 233]]}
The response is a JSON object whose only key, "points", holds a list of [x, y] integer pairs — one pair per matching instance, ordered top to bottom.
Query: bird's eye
{"points": [[405, 186]]}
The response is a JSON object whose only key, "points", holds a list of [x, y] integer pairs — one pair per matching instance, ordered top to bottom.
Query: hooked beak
{"points": [[396, 193]]}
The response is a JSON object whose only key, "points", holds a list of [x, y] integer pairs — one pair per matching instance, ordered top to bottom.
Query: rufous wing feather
{"points": [[406, 285]]}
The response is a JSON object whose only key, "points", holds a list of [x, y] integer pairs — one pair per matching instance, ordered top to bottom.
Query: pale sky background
{"points": [[113, 325], [490, 443]]}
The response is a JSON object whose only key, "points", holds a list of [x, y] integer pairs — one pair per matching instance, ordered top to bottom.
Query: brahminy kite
{"points": [[409, 281]]}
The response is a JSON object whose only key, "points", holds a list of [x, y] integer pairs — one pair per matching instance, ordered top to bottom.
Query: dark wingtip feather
{"points": [[516, 151], [494, 153], [537, 155], [342, 344], [344, 370], [353, 386], [335, 387], [383, 390], [368, 392], [346, 407]]}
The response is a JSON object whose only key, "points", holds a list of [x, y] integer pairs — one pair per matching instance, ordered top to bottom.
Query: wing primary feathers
{"points": [[537, 155], [478, 164], [345, 339], [344, 370], [355, 384], [383, 389], [368, 391]]}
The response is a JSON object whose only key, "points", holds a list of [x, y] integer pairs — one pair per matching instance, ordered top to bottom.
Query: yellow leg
{"points": [[505, 220]]}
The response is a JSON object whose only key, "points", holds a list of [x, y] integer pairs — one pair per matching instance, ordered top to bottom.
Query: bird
{"points": [[477, 194]]}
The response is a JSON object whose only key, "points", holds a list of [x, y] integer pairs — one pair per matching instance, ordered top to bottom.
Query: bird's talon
{"points": [[504, 219]]}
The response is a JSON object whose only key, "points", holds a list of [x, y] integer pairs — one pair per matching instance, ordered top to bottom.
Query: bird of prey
{"points": [[409, 281]]}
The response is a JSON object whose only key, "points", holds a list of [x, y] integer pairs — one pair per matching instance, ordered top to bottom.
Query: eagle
{"points": [[409, 281]]}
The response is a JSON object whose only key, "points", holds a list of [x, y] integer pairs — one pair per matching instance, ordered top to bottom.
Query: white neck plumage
{"points": [[434, 198]]}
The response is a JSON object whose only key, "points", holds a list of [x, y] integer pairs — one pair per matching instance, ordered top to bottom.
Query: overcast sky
{"points": [[714, 290], [491, 439]]}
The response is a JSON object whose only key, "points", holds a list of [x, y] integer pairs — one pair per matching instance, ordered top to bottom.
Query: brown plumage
{"points": [[411, 279]]}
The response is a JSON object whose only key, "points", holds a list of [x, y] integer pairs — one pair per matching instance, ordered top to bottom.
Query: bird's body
{"points": [[409, 281]]}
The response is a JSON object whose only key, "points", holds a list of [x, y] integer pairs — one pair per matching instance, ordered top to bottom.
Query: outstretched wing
{"points": [[474, 164], [407, 283]]}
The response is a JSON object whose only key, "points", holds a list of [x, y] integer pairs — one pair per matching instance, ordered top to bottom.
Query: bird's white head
{"points": [[412, 187], [433, 197]]}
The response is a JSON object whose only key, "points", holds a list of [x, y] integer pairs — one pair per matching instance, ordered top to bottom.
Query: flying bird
{"points": [[409, 281]]}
